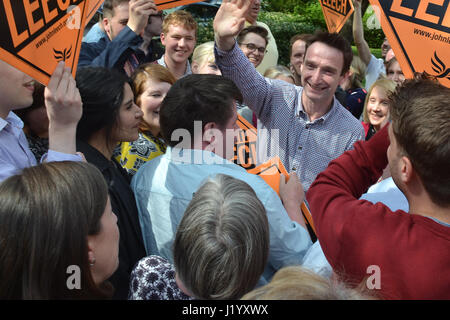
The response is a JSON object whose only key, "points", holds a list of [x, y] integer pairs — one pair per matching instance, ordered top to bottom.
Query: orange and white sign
{"points": [[167, 4], [92, 8], [336, 13], [419, 34], [36, 35], [245, 146], [270, 171]]}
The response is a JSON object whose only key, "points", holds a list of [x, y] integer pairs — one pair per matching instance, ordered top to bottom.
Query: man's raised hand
{"points": [[229, 21]]}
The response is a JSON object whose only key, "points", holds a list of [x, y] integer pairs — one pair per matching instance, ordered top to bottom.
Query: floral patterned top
{"points": [[153, 278]]}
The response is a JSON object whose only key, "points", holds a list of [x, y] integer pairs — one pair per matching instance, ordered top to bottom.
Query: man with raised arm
{"points": [[129, 26], [198, 121], [305, 126]]}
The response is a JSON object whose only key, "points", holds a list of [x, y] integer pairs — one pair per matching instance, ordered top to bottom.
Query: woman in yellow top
{"points": [[151, 82]]}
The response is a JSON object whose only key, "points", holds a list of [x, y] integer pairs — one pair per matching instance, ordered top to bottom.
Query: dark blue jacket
{"points": [[114, 54]]}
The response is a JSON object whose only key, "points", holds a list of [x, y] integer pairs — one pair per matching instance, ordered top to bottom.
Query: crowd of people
{"points": [[119, 183]]}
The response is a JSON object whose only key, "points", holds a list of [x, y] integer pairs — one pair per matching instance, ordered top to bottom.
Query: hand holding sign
{"points": [[64, 109], [292, 196]]}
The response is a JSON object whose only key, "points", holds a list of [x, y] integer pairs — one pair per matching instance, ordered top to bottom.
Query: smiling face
{"points": [[179, 42], [258, 43], [395, 72], [321, 73], [16, 89], [150, 102], [378, 107], [129, 118]]}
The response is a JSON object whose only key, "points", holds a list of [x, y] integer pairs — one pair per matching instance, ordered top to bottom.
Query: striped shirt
{"points": [[284, 128]]}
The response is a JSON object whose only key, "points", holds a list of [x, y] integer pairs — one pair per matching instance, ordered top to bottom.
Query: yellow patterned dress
{"points": [[132, 155]]}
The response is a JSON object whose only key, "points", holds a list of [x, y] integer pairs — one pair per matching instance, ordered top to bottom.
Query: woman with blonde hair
{"points": [[203, 60], [151, 82], [376, 106], [298, 283]]}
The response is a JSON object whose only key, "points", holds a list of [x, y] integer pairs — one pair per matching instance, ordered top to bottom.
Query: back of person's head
{"points": [[109, 5], [179, 18], [261, 31], [336, 41], [204, 53], [279, 71], [144, 73], [386, 85], [102, 94], [197, 97], [420, 115], [46, 215], [222, 243], [298, 283]]}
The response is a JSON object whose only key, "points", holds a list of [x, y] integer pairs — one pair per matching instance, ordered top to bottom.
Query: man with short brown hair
{"points": [[129, 26]]}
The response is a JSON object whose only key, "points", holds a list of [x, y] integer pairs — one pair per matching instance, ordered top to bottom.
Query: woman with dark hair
{"points": [[151, 82], [110, 116], [58, 236]]}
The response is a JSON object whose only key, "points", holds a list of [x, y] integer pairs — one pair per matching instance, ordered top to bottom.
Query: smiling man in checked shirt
{"points": [[305, 126]]}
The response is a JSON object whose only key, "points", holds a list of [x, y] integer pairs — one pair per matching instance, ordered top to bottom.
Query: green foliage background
{"points": [[286, 18]]}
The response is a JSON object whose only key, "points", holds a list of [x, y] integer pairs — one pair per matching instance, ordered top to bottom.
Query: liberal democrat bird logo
{"points": [[62, 55], [440, 68]]}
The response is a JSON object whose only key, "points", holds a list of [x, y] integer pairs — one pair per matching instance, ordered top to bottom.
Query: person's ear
{"points": [[107, 27], [163, 38], [194, 67], [208, 132], [406, 170], [91, 254]]}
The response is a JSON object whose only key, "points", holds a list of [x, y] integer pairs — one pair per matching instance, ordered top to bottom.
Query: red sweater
{"points": [[412, 251]]}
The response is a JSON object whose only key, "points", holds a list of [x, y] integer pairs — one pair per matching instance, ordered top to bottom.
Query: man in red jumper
{"points": [[403, 255]]}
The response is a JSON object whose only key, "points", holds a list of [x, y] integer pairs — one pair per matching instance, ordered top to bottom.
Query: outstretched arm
{"points": [[229, 21], [358, 34], [64, 109]]}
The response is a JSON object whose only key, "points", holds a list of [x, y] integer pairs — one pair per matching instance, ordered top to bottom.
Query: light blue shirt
{"points": [[94, 34], [161, 61], [15, 154], [164, 187], [387, 192]]}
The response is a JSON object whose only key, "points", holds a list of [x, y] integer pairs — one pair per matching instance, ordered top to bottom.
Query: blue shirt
{"points": [[284, 128], [15, 153], [164, 187]]}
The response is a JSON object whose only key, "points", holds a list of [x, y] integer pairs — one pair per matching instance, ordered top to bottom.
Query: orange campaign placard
{"points": [[167, 4], [92, 7], [336, 13], [419, 34], [37, 35], [245, 146], [270, 171]]}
